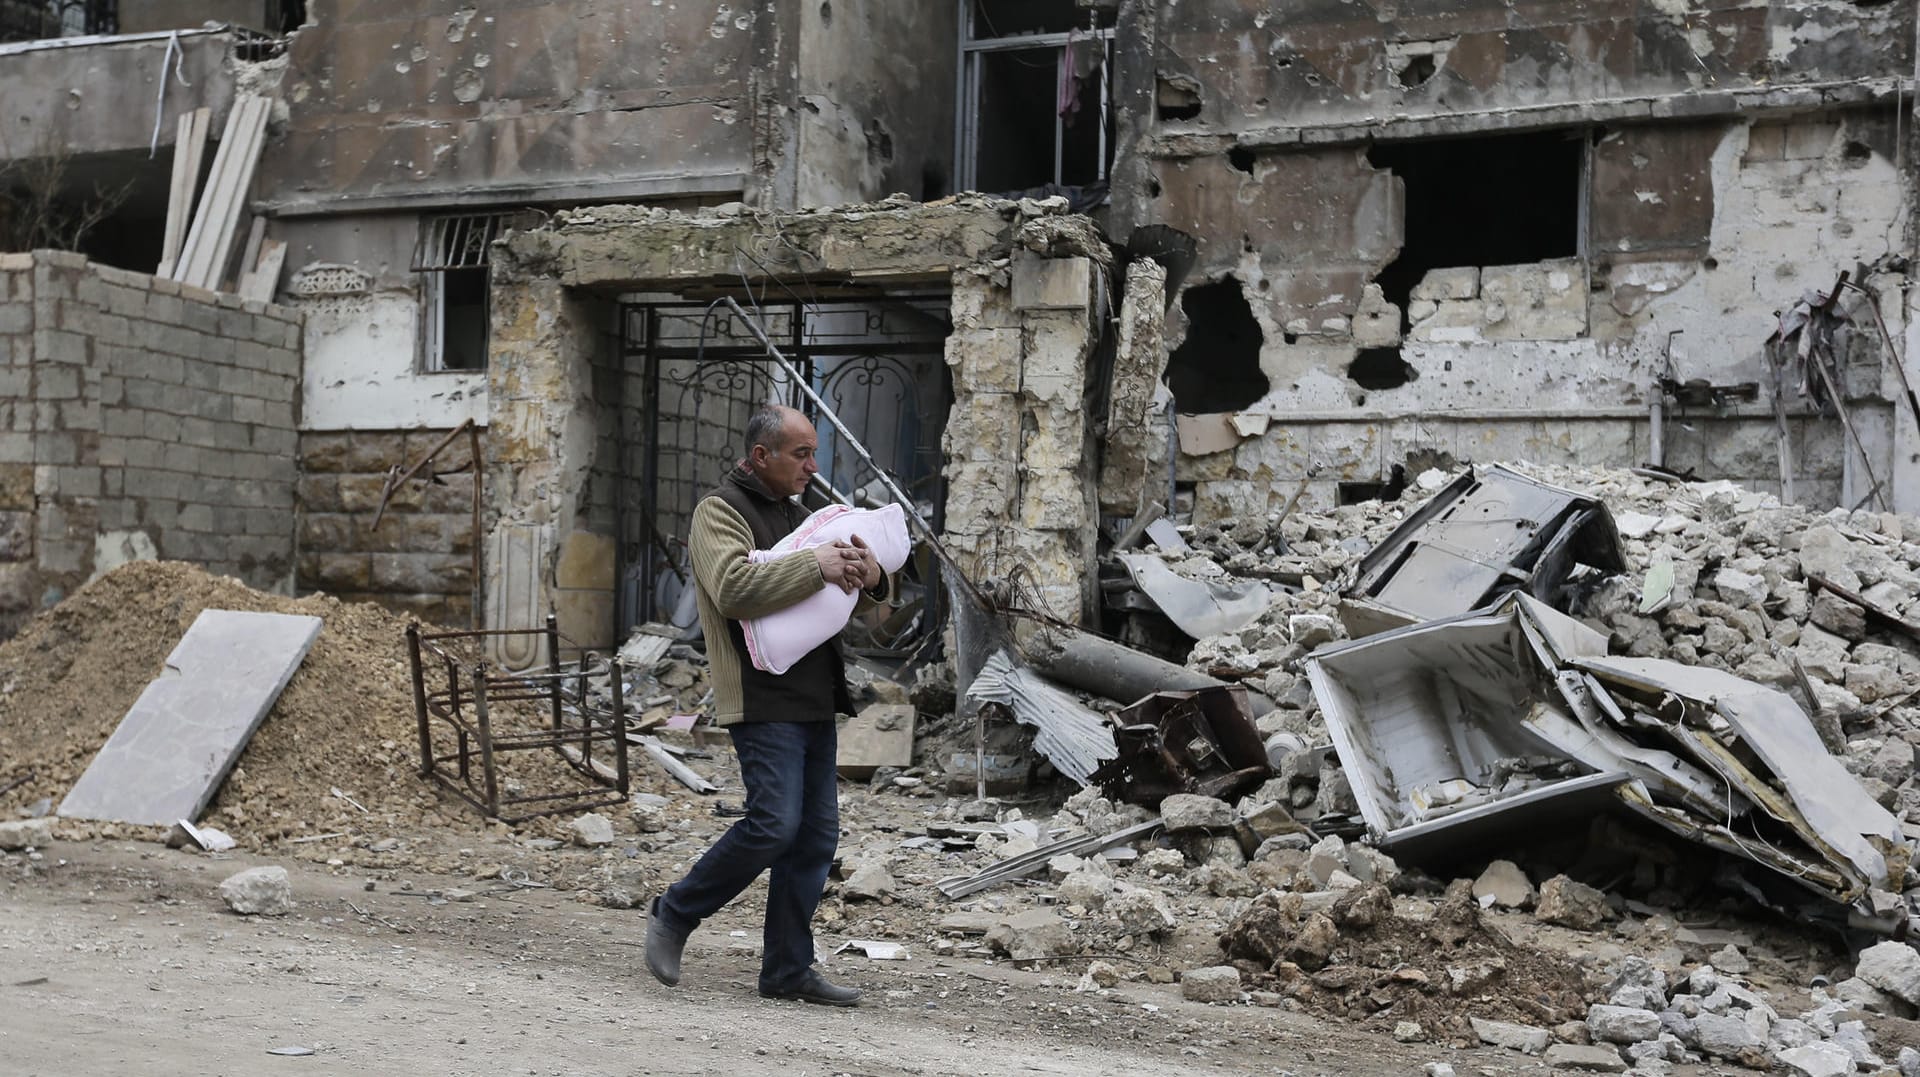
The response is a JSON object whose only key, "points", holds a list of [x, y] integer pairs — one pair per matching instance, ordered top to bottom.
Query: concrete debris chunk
{"points": [[1740, 588], [1187, 812], [591, 829], [17, 834], [870, 881], [1503, 885], [1087, 888], [262, 891], [1571, 904], [1136, 910], [1031, 936], [1729, 959], [1892, 967], [1221, 983], [1622, 1024], [1409, 1032], [1723, 1036], [1514, 1037], [1586, 1058], [1817, 1060], [1909, 1062], [1437, 1069]]}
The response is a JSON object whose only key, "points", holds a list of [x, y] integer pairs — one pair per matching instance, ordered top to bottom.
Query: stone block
{"points": [[1457, 282], [1051, 283], [1541, 301], [985, 361], [421, 573], [585, 617], [881, 735], [167, 757], [1186, 812], [1504, 885], [258, 892], [1571, 904], [1031, 936], [1892, 967], [1220, 983], [1622, 1024], [1528, 1039], [1586, 1058]]}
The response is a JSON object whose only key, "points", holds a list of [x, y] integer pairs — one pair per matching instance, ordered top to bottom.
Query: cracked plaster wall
{"points": [[411, 100], [874, 100]]}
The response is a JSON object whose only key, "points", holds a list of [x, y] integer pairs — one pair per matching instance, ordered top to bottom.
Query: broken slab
{"points": [[879, 736], [168, 756]]}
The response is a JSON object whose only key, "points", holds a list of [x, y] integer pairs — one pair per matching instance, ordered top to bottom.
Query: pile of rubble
{"points": [[1713, 576]]}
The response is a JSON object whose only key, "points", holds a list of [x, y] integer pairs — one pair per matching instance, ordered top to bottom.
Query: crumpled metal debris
{"points": [[1490, 531], [1490, 720], [1202, 742]]}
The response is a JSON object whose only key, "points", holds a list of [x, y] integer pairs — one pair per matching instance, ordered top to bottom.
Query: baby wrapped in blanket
{"points": [[778, 640]]}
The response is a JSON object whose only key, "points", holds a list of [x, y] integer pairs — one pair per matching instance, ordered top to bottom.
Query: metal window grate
{"points": [[459, 241]]}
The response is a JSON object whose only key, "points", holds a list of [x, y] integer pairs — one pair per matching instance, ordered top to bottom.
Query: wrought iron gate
{"points": [[879, 364]]}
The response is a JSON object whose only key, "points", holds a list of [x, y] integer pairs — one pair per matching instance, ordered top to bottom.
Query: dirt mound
{"points": [[345, 720], [1365, 959]]}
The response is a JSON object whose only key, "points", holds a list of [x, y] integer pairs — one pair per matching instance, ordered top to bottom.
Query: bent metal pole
{"points": [[906, 503]]}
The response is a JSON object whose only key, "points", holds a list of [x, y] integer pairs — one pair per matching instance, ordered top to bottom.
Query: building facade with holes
{"points": [[1556, 231], [1386, 240]]}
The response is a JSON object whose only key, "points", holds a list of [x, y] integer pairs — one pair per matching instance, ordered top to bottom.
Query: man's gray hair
{"points": [[768, 427]]}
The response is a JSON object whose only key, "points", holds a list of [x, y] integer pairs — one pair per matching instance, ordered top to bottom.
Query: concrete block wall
{"points": [[143, 419], [419, 560]]}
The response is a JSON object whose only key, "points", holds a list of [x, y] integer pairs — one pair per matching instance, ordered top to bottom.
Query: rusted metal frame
{"points": [[396, 477], [470, 713]]}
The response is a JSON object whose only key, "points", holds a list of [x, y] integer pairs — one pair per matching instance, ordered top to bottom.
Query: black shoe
{"points": [[664, 946], [818, 989]]}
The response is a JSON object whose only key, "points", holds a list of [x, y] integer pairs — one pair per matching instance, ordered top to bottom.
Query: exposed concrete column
{"points": [[1058, 301], [539, 449], [1134, 466]]}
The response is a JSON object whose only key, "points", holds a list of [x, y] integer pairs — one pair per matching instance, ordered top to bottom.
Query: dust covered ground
{"points": [[119, 957]]}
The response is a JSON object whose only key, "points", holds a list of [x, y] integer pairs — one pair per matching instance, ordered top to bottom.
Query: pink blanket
{"points": [[778, 640]]}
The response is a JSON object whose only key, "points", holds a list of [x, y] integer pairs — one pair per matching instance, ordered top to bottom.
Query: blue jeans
{"points": [[790, 830]]}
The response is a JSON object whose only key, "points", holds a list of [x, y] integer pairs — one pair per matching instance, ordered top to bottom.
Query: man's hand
{"points": [[841, 565], [870, 571]]}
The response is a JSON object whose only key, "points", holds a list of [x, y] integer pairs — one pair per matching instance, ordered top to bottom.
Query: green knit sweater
{"points": [[731, 588]]}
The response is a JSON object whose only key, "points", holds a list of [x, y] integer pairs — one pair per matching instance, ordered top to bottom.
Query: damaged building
{"points": [[1554, 232]]}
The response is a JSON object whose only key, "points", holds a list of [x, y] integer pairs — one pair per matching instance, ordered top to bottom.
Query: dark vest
{"points": [[815, 688]]}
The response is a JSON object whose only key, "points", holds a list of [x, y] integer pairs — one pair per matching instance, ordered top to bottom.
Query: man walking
{"points": [[782, 724]]}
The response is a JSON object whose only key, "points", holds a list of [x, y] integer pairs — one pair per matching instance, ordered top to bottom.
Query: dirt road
{"points": [[119, 958]]}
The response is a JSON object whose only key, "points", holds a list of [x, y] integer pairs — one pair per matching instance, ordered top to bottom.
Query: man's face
{"points": [[786, 471]]}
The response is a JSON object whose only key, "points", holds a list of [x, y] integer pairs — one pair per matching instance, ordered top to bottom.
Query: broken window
{"points": [[34, 20], [1034, 96], [1503, 200], [453, 256], [1217, 367]]}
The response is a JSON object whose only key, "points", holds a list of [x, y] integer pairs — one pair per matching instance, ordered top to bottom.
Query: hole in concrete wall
{"points": [[826, 13], [1416, 71], [1177, 99], [879, 142], [1856, 154], [1241, 158], [1153, 188], [1505, 200], [1711, 262], [1217, 367], [1380, 368], [1353, 493]]}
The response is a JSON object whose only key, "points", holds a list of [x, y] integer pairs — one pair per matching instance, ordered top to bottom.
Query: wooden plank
{"points": [[189, 149], [249, 161], [210, 245], [250, 254], [264, 279]]}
